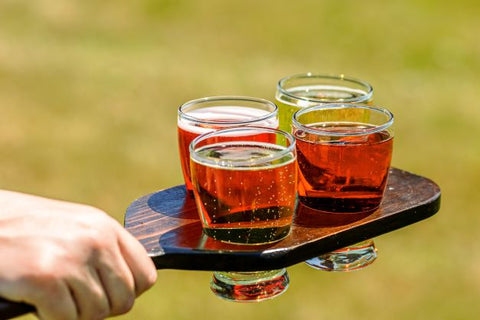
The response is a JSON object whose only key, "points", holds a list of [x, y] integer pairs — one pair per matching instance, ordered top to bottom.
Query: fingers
{"points": [[141, 266], [124, 269], [35, 280], [118, 282], [97, 290], [89, 294], [57, 303]]}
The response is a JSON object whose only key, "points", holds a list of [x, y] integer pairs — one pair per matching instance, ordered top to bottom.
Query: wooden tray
{"points": [[166, 223]]}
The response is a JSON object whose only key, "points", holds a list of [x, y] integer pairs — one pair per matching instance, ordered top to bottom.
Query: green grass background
{"points": [[89, 92]]}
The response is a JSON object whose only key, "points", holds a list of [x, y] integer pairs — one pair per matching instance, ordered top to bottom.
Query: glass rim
{"points": [[342, 77], [186, 116], [318, 131], [278, 155]]}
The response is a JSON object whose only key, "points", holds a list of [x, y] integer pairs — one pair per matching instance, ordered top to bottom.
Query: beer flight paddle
{"points": [[166, 223]]}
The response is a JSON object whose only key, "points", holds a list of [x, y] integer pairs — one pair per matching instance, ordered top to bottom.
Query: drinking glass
{"points": [[309, 89], [299, 91], [208, 114], [344, 153], [245, 184]]}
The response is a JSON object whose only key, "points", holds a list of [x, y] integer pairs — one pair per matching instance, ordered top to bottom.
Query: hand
{"points": [[70, 261]]}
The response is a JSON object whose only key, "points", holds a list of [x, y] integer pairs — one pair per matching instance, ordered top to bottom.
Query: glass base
{"points": [[350, 258], [249, 286]]}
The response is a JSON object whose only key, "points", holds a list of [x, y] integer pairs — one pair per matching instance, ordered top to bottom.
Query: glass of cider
{"points": [[309, 89], [303, 90], [208, 114], [344, 153], [245, 188]]}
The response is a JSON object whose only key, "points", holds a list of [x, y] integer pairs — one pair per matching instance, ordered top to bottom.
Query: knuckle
{"points": [[96, 241], [151, 278], [44, 279], [147, 280], [46, 288], [52, 304], [124, 304], [98, 308]]}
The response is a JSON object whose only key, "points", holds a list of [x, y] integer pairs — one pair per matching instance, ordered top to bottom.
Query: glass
{"points": [[309, 89], [204, 115], [344, 153], [245, 184], [249, 286]]}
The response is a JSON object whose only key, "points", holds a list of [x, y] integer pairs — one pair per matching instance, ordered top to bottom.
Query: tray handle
{"points": [[10, 309]]}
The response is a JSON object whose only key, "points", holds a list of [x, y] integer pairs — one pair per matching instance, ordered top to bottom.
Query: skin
{"points": [[70, 261]]}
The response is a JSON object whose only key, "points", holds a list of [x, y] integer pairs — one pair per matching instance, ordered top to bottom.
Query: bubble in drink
{"points": [[246, 201]]}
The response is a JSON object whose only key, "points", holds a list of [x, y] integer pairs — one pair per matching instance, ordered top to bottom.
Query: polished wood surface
{"points": [[167, 224]]}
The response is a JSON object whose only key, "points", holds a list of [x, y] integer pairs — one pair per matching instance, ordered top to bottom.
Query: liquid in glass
{"points": [[212, 118], [345, 174], [245, 202]]}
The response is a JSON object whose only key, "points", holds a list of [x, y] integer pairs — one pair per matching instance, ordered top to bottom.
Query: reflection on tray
{"points": [[312, 218], [191, 236]]}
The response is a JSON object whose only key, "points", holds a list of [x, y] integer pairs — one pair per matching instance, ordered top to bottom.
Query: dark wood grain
{"points": [[166, 223]]}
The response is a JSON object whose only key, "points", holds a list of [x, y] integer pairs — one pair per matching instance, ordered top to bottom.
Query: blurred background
{"points": [[89, 92]]}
